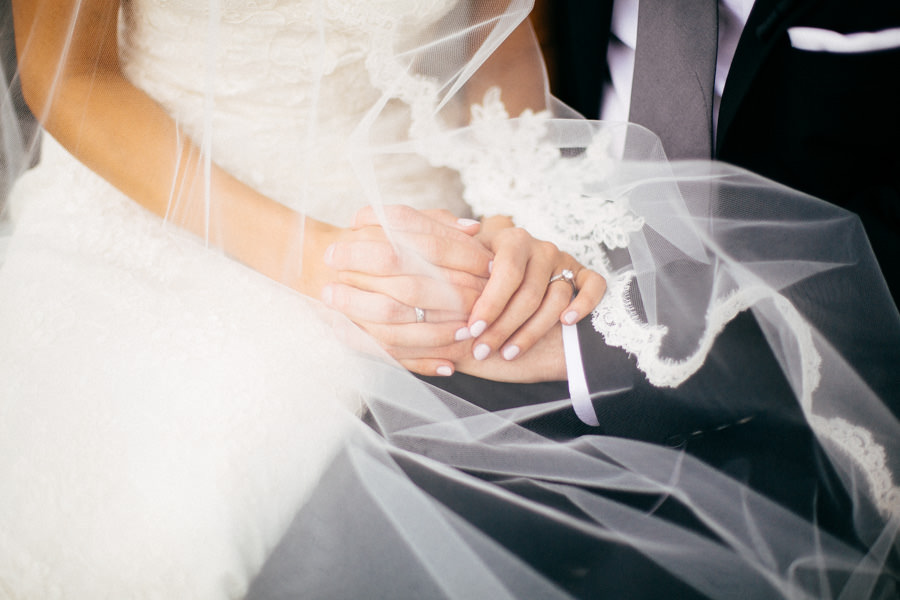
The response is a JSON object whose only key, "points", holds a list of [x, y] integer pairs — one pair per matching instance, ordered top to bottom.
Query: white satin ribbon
{"points": [[578, 387]]}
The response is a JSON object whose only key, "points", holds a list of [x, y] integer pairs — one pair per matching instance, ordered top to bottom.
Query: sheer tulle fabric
{"points": [[173, 424]]}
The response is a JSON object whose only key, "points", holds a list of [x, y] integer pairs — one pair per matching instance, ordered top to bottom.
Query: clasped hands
{"points": [[483, 289]]}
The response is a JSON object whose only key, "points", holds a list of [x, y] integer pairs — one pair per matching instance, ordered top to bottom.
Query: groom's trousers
{"points": [[756, 434]]}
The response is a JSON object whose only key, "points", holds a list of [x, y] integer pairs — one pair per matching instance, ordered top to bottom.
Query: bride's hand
{"points": [[427, 259], [520, 304], [544, 362]]}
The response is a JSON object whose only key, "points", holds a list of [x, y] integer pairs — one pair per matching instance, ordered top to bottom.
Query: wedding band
{"points": [[568, 276], [420, 314]]}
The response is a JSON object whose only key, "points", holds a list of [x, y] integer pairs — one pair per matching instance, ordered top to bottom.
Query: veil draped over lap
{"points": [[330, 105]]}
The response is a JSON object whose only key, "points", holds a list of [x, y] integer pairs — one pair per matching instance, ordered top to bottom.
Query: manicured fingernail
{"points": [[467, 222], [329, 255], [490, 267], [327, 295], [570, 317], [477, 328], [462, 334], [481, 351], [510, 352], [444, 371]]}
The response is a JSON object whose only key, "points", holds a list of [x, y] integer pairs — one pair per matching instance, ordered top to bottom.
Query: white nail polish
{"points": [[467, 222], [329, 255], [490, 267], [570, 317], [477, 328], [462, 334], [481, 351], [510, 352], [444, 371]]}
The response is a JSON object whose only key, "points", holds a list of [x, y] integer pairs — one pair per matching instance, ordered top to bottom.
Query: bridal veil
{"points": [[330, 105]]}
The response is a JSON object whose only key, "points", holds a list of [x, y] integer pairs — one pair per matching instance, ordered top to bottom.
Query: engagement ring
{"points": [[568, 276], [420, 314]]}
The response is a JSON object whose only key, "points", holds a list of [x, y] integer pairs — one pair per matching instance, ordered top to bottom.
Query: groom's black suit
{"points": [[824, 123]]}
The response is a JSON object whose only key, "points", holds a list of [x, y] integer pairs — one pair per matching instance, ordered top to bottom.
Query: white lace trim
{"points": [[859, 444]]}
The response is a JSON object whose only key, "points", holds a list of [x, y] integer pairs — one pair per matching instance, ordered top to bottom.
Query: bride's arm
{"points": [[516, 67], [72, 81]]}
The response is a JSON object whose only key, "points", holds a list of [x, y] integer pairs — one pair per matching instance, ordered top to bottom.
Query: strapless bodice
{"points": [[282, 92]]}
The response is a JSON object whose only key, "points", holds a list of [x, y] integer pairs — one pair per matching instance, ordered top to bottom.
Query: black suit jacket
{"points": [[823, 123]]}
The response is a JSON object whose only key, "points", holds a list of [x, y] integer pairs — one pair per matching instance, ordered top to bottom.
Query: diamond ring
{"points": [[568, 276]]}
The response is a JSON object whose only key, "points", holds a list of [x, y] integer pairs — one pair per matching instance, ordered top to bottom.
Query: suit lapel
{"points": [[768, 20]]}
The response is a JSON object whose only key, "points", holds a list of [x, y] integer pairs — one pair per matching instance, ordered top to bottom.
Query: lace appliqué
{"points": [[512, 167]]}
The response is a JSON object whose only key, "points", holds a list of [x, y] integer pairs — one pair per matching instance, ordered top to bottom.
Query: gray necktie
{"points": [[674, 74]]}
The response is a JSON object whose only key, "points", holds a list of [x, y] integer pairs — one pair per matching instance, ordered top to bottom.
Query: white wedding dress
{"points": [[165, 412]]}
